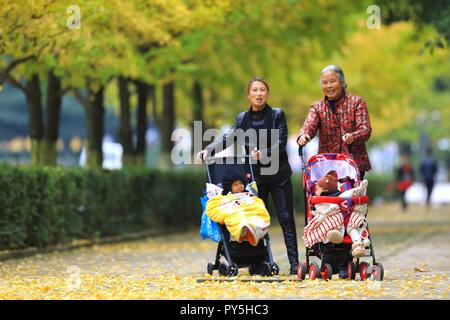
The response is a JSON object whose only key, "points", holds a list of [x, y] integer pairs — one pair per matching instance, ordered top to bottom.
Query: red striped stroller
{"points": [[349, 177]]}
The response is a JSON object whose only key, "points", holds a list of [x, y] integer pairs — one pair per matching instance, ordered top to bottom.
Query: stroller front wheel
{"points": [[210, 268], [363, 268], [224, 269], [266, 269], [275, 269], [234, 270], [252, 270], [351, 270], [302, 271], [314, 271], [378, 271], [326, 272]]}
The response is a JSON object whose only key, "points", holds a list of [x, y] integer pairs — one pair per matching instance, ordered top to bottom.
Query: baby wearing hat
{"points": [[239, 208]]}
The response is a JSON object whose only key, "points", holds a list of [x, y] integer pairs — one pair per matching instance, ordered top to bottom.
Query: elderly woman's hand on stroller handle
{"points": [[347, 138], [303, 139]]}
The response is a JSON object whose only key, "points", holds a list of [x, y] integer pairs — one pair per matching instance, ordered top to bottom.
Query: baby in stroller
{"points": [[239, 208], [241, 220], [330, 221]]}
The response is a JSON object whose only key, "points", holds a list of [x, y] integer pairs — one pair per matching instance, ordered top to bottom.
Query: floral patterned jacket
{"points": [[350, 116]]}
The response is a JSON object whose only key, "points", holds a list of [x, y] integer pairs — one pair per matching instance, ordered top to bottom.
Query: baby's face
{"points": [[237, 187]]}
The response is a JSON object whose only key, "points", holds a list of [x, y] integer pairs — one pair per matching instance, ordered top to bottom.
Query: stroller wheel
{"points": [[363, 267], [210, 268], [224, 269], [266, 269], [275, 269], [234, 270], [252, 270], [351, 270], [302, 271], [314, 271], [326, 271], [377, 271]]}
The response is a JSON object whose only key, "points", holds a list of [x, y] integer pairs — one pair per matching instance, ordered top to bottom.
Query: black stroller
{"points": [[257, 258]]}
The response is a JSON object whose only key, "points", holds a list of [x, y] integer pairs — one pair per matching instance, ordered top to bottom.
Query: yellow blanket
{"points": [[244, 215]]}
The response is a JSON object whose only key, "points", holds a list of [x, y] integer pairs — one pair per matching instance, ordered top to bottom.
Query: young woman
{"points": [[262, 118]]}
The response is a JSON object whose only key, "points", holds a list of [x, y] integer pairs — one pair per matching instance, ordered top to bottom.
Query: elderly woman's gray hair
{"points": [[338, 71]]}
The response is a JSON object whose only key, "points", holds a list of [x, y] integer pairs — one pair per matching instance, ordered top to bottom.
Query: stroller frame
{"points": [[258, 259], [374, 271]]}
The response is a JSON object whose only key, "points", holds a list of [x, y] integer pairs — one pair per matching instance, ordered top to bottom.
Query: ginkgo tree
{"points": [[27, 34], [114, 40], [278, 40], [202, 50]]}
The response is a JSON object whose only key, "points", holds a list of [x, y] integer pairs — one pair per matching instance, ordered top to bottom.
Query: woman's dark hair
{"points": [[259, 79]]}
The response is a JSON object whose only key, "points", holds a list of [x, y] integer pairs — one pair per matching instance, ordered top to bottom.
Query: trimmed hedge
{"points": [[41, 207]]}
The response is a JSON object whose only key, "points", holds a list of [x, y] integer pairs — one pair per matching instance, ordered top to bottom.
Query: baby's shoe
{"points": [[335, 236], [366, 243], [358, 249]]}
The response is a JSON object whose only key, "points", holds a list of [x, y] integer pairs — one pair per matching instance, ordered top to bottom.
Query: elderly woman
{"points": [[341, 117], [343, 121]]}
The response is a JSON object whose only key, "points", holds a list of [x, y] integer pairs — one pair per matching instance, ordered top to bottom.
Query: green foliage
{"points": [[422, 12], [222, 44], [386, 68], [49, 206], [15, 210]]}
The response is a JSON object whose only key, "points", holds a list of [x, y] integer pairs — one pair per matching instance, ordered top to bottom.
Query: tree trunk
{"points": [[142, 91], [152, 95], [197, 95], [197, 115], [168, 116], [167, 124], [35, 125], [95, 128], [125, 130], [48, 151]]}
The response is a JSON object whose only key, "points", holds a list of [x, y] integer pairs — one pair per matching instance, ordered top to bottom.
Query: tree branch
{"points": [[5, 73], [16, 83], [65, 90], [83, 100]]}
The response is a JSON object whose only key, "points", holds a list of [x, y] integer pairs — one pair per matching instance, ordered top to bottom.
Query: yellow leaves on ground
{"points": [[174, 267], [186, 287]]}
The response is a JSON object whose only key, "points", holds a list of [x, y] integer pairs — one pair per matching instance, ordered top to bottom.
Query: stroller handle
{"points": [[300, 154], [210, 160], [338, 200]]}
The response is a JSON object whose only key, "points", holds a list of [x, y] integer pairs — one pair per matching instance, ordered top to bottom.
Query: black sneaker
{"points": [[343, 259], [343, 274]]}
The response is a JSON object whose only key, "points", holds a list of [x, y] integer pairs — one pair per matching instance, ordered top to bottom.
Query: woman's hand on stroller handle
{"points": [[303, 140], [256, 154], [201, 156]]}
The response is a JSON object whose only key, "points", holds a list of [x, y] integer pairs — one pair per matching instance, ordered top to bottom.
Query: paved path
{"points": [[413, 247]]}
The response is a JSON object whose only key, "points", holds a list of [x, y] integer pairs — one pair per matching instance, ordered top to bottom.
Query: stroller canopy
{"points": [[321, 164]]}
